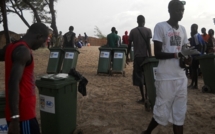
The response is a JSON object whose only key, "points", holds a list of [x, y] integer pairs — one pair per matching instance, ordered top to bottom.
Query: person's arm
{"points": [[74, 40], [130, 40], [107, 41], [149, 43], [129, 48], [161, 55], [20, 57]]}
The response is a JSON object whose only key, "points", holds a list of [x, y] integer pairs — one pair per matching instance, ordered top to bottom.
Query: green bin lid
{"points": [[124, 46], [55, 48], [105, 48], [120, 49], [71, 50], [207, 56], [55, 81]]}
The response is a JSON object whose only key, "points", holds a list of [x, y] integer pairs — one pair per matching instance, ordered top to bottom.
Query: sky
{"points": [[84, 15]]}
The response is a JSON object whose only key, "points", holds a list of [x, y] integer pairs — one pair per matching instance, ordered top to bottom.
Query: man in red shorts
{"points": [[19, 81]]}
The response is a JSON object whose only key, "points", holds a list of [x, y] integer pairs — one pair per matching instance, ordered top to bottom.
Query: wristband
{"points": [[15, 116]]}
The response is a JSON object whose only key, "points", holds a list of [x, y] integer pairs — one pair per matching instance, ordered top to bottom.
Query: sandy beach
{"points": [[110, 105]]}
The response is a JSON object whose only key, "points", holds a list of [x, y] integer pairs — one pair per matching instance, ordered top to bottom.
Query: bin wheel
{"points": [[123, 73], [206, 89], [148, 105]]}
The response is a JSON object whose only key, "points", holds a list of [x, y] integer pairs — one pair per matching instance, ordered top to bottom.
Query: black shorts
{"points": [[138, 77], [29, 126]]}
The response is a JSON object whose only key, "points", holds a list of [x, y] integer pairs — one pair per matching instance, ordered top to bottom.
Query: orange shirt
{"points": [[205, 37]]}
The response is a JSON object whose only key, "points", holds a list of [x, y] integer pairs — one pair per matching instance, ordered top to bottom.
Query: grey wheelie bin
{"points": [[70, 59], [55, 60], [104, 60], [119, 60], [207, 66], [149, 67], [58, 103], [3, 123]]}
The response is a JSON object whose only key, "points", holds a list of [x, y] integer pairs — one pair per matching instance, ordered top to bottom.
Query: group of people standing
{"points": [[67, 40], [205, 44], [170, 46]]}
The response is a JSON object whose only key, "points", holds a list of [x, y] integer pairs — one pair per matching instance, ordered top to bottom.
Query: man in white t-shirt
{"points": [[170, 41]]}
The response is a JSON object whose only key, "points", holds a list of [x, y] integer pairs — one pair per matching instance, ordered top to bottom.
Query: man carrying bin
{"points": [[140, 37], [112, 40], [170, 47]]}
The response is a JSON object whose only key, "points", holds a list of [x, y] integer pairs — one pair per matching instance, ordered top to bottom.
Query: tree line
{"points": [[42, 11]]}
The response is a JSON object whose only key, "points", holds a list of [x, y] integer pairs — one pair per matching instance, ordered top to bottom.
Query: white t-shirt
{"points": [[169, 69]]}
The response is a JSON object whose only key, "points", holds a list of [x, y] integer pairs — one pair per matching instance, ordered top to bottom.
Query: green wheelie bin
{"points": [[70, 59], [55, 60], [104, 60], [119, 60], [207, 66], [149, 67], [58, 103], [3, 123]]}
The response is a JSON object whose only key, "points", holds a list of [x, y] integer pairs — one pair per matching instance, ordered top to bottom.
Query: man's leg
{"points": [[195, 73], [138, 76], [142, 94], [165, 94], [179, 106], [153, 124], [177, 129]]}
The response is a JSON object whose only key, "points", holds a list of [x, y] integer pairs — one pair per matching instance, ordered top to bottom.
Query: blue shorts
{"points": [[29, 126]]}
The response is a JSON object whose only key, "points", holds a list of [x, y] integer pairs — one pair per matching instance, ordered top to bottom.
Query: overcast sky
{"points": [[84, 15]]}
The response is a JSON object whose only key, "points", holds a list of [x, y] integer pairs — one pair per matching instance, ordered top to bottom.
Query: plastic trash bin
{"points": [[70, 59], [55, 60], [104, 60], [119, 61], [207, 66], [149, 67], [58, 103], [3, 123]]}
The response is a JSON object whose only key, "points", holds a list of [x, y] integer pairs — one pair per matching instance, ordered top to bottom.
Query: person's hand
{"points": [[185, 51], [14, 127]]}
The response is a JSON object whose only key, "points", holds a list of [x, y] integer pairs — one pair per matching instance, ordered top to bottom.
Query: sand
{"points": [[110, 105]]}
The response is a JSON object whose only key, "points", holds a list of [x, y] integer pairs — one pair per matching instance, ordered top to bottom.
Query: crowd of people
{"points": [[69, 39], [170, 45]]}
